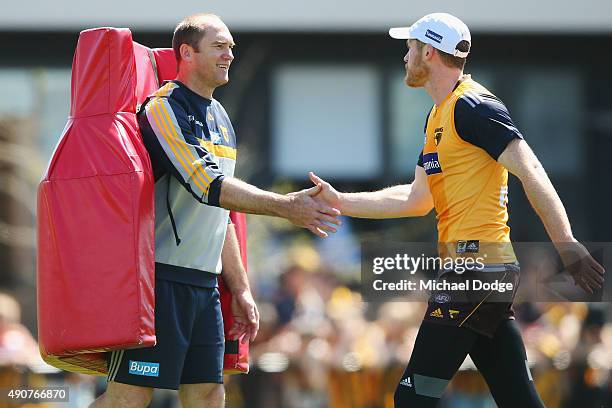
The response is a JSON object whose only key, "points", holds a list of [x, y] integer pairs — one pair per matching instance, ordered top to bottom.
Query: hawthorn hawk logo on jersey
{"points": [[438, 135]]}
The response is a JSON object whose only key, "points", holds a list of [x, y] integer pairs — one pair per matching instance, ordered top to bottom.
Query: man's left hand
{"points": [[588, 274]]}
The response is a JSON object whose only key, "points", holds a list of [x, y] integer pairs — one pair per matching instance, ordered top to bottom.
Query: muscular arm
{"points": [[484, 121], [172, 144], [520, 160], [243, 197], [406, 200], [299, 208]]}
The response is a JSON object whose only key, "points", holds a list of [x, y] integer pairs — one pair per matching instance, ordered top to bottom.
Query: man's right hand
{"points": [[328, 194], [301, 208], [312, 214]]}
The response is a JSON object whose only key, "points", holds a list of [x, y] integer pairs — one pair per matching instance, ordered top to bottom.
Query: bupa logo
{"points": [[434, 36], [431, 165], [144, 368]]}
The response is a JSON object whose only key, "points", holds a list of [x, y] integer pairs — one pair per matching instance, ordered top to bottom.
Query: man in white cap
{"points": [[470, 145]]}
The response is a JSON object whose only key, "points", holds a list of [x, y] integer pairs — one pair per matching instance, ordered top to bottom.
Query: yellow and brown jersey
{"points": [[464, 136]]}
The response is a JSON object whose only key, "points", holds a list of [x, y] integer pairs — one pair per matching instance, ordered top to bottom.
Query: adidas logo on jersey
{"points": [[468, 246], [473, 246], [437, 313], [406, 382]]}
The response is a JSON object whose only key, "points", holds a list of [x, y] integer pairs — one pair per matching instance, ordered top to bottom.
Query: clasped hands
{"points": [[317, 208]]}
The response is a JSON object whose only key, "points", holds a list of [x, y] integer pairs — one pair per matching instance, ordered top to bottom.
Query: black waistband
{"points": [[188, 276]]}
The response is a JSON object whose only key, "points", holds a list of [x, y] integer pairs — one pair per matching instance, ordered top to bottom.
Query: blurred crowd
{"points": [[320, 345]]}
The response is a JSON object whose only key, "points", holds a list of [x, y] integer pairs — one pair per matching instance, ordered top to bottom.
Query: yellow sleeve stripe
{"points": [[169, 86], [163, 91], [155, 110], [172, 143], [185, 150], [219, 150], [182, 151], [188, 155]]}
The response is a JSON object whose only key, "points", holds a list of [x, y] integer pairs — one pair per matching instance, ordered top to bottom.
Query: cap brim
{"points": [[400, 33]]}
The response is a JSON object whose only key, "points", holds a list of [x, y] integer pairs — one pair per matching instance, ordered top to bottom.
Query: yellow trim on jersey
{"points": [[163, 91], [174, 145], [219, 150], [186, 151], [190, 155], [193, 159], [196, 171]]}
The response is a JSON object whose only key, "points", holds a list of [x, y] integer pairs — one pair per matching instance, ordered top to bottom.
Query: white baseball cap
{"points": [[442, 30]]}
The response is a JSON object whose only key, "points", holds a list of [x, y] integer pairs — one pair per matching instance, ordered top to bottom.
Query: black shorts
{"points": [[479, 310], [190, 341], [439, 351]]}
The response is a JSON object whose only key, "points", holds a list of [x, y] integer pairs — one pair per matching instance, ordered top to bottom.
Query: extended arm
{"points": [[173, 146], [520, 160], [406, 200], [300, 208]]}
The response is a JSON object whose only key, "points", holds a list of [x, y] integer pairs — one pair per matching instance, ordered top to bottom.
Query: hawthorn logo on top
{"points": [[438, 135], [144, 368]]}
